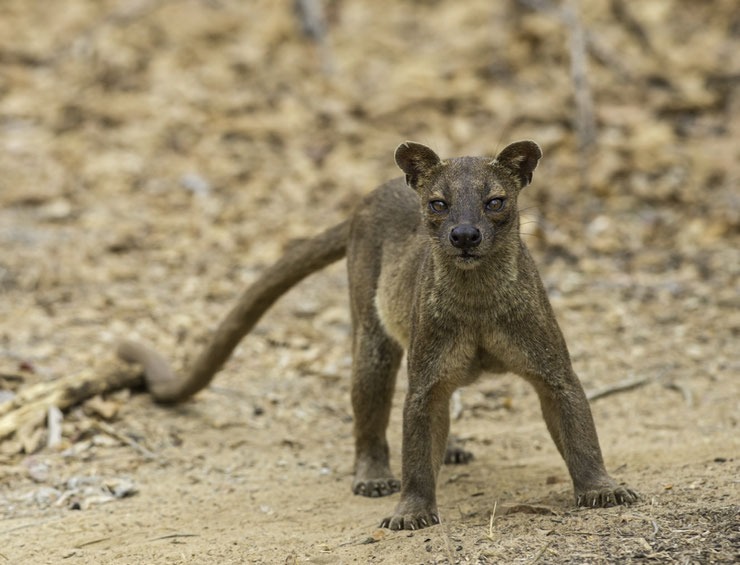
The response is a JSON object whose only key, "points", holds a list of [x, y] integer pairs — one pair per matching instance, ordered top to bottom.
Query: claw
{"points": [[376, 488], [606, 497], [411, 522]]}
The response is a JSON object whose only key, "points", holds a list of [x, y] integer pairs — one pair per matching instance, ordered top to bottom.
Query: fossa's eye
{"points": [[495, 204], [438, 206]]}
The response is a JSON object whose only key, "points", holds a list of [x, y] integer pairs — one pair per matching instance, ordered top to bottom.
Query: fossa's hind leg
{"points": [[375, 362], [455, 452]]}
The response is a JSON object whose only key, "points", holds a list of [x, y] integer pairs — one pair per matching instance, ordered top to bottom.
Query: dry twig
{"points": [[622, 386], [111, 431], [489, 534], [170, 536], [91, 542], [537, 556]]}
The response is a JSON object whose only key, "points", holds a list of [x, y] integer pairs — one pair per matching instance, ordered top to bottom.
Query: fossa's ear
{"points": [[520, 158], [415, 159]]}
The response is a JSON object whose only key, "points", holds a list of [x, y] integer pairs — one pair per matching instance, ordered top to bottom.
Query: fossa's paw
{"points": [[456, 455], [376, 487], [606, 497], [411, 519]]}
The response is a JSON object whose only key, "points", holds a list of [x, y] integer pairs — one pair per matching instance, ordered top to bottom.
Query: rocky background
{"points": [[156, 156]]}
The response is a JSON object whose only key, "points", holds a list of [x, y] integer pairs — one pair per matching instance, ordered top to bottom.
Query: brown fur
{"points": [[460, 303]]}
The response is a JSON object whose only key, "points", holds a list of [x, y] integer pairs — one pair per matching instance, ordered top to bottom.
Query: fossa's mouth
{"points": [[467, 255], [467, 260]]}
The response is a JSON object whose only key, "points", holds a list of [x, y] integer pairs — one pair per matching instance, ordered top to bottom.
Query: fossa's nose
{"points": [[465, 237]]}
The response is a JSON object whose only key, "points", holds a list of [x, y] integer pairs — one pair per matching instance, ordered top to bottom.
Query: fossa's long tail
{"points": [[300, 260]]}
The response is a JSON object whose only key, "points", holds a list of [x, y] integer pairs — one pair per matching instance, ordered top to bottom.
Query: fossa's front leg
{"points": [[545, 362], [433, 367], [426, 422], [571, 425]]}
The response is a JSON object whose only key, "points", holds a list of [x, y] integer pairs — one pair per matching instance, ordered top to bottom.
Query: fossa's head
{"points": [[469, 204]]}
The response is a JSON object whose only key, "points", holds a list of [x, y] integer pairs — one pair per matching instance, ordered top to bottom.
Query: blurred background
{"points": [[160, 131], [160, 153]]}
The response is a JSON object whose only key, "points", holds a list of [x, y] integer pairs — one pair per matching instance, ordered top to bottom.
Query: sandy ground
{"points": [[157, 156]]}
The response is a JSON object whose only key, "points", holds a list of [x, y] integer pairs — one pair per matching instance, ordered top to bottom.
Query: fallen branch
{"points": [[31, 406]]}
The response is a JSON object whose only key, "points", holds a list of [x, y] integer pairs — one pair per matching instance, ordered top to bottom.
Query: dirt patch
{"points": [[156, 156]]}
